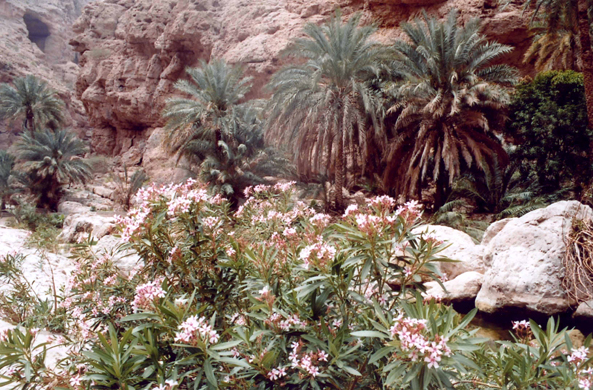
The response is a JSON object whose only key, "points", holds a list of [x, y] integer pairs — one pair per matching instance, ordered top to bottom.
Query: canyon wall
{"points": [[34, 37], [132, 51]]}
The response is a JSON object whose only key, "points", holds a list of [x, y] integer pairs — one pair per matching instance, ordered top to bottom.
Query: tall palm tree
{"points": [[575, 15], [33, 101], [448, 101], [321, 107], [207, 111], [52, 159], [6, 175]]}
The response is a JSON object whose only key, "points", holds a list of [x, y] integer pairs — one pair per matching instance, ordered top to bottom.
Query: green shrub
{"points": [[548, 125], [276, 295]]}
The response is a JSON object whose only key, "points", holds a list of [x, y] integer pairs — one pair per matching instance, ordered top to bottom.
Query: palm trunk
{"points": [[586, 56], [339, 196]]}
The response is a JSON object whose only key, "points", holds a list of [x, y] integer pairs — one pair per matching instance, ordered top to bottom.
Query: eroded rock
{"points": [[460, 247], [524, 261], [464, 288]]}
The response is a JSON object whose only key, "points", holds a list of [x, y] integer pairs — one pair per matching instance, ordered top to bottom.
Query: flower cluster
{"points": [[318, 254], [147, 294], [279, 322], [195, 328], [523, 329], [411, 333], [306, 361], [584, 375]]}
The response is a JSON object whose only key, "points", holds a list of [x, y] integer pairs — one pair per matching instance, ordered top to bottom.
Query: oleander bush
{"points": [[275, 295]]}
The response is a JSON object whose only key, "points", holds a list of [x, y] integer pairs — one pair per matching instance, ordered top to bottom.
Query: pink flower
{"points": [[146, 294]]}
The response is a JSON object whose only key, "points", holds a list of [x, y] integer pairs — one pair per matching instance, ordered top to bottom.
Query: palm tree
{"points": [[574, 14], [554, 48], [33, 101], [448, 101], [321, 107], [207, 113], [52, 159], [241, 160], [6, 175], [126, 186], [495, 190]]}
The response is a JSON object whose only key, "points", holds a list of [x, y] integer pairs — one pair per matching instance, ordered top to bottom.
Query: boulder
{"points": [[69, 207], [79, 226], [460, 247], [125, 260], [524, 261], [42, 271], [463, 288], [584, 311]]}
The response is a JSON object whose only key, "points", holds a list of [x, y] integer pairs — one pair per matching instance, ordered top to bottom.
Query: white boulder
{"points": [[79, 226], [460, 247], [125, 260], [525, 261], [463, 288]]}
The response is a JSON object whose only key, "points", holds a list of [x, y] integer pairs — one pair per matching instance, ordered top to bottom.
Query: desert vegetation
{"points": [[245, 282]]}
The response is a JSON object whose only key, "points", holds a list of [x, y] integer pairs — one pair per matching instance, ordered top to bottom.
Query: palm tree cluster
{"points": [[437, 89], [423, 110], [212, 125], [47, 158]]}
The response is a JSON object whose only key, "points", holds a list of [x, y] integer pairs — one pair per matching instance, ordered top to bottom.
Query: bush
{"points": [[548, 123], [276, 295]]}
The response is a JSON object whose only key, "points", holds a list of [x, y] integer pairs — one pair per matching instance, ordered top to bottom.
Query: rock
{"points": [[132, 52], [158, 161], [102, 191], [70, 207], [79, 226], [493, 230], [460, 247], [125, 260], [525, 262], [39, 270], [463, 288], [584, 311], [577, 338]]}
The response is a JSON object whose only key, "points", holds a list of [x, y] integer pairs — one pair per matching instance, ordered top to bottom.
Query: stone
{"points": [[102, 191], [69, 207], [79, 226], [493, 230], [459, 246], [524, 259], [125, 260], [38, 269], [463, 288], [584, 311], [577, 338]]}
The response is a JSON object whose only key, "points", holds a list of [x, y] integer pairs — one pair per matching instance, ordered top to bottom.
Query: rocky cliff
{"points": [[34, 37], [132, 51]]}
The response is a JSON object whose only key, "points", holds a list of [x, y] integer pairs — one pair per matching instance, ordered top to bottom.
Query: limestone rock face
{"points": [[34, 39], [132, 51], [524, 261]]}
